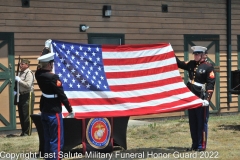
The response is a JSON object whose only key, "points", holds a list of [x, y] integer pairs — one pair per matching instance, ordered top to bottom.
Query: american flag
{"points": [[126, 80]]}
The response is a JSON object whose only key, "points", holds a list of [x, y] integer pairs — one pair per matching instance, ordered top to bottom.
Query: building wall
{"points": [[142, 21], [235, 31]]}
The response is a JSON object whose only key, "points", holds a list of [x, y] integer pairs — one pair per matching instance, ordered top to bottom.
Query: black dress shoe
{"points": [[23, 134], [190, 149], [200, 149]]}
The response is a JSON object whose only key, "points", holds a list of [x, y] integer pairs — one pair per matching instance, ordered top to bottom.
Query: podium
{"points": [[73, 132]]}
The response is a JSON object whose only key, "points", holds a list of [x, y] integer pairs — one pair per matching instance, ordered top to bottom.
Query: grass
{"points": [[160, 139]]}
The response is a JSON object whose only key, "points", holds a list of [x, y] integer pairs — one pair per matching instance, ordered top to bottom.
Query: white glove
{"points": [[48, 43], [17, 78], [15, 93], [205, 103], [71, 115]]}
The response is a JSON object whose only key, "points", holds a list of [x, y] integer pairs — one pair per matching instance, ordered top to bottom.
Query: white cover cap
{"points": [[198, 49], [46, 58]]}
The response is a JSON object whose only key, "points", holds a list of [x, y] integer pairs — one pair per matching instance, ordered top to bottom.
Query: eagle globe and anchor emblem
{"points": [[98, 132]]}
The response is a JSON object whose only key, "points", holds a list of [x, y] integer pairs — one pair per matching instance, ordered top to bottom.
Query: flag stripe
{"points": [[163, 47], [138, 60], [140, 67], [138, 73], [140, 80], [139, 86], [124, 94], [117, 100], [169, 101], [158, 105], [140, 111]]}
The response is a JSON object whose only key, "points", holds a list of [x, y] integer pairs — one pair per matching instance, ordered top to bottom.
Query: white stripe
{"points": [[136, 54], [139, 67], [143, 79], [124, 94], [127, 106]]}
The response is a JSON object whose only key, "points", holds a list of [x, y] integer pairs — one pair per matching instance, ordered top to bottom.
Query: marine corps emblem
{"points": [[98, 132]]}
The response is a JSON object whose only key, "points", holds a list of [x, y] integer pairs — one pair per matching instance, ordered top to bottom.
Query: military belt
{"points": [[195, 83], [21, 93], [50, 95]]}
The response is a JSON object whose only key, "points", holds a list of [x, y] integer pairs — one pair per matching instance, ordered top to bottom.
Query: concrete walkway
{"points": [[133, 122]]}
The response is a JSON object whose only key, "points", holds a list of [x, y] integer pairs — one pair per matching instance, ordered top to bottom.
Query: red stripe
{"points": [[132, 47], [139, 60], [138, 73], [138, 99], [142, 111], [58, 134]]}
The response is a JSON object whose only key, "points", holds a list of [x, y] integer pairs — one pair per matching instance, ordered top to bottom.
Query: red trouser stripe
{"points": [[204, 132], [59, 135]]}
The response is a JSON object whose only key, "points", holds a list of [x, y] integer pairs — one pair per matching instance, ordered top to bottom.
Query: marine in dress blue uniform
{"points": [[201, 83], [51, 102]]}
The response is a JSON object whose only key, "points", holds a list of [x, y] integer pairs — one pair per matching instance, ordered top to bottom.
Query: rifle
{"points": [[16, 98]]}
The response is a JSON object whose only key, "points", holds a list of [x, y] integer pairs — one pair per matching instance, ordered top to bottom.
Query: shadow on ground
{"points": [[230, 127], [12, 135]]}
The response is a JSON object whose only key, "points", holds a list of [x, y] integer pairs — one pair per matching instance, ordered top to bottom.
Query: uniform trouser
{"points": [[25, 109], [198, 122], [53, 134]]}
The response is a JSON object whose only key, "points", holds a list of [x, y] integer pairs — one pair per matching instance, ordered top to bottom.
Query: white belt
{"points": [[196, 83], [50, 95]]}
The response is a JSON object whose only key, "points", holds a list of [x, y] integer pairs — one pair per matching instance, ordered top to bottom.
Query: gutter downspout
{"points": [[229, 50]]}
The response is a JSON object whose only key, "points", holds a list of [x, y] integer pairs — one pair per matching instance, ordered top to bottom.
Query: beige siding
{"points": [[140, 20], [235, 30]]}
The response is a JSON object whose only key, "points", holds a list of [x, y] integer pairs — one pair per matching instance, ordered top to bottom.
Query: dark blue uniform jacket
{"points": [[202, 73], [50, 84]]}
